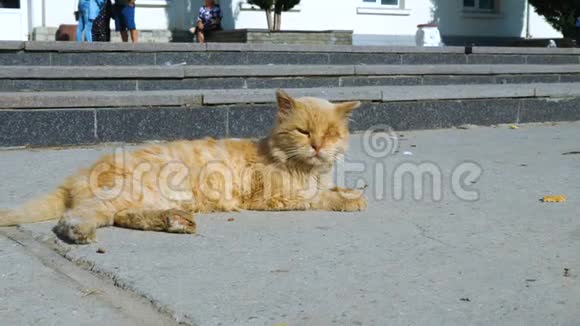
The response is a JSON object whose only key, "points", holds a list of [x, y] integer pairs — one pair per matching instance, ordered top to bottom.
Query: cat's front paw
{"points": [[349, 200], [353, 205], [179, 221], [75, 230]]}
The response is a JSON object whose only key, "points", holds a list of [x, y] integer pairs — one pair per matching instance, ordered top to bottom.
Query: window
{"points": [[389, 3], [11, 4], [479, 5], [383, 7]]}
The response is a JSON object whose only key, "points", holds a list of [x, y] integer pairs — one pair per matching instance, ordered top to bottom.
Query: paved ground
{"points": [[498, 260], [34, 294]]}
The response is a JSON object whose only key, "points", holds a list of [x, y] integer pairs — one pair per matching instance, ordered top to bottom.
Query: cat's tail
{"points": [[48, 207]]}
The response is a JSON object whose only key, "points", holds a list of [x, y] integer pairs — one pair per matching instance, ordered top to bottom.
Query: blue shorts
{"points": [[124, 18]]}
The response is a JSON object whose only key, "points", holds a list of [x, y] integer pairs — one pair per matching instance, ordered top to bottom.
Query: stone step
{"points": [[51, 46], [112, 54], [172, 72], [149, 78], [119, 99], [397, 107]]}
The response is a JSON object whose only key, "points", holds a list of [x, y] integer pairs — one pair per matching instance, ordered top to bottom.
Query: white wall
{"points": [[58, 12], [150, 14], [313, 15], [321, 15], [453, 20], [402, 21], [509, 21], [540, 28]]}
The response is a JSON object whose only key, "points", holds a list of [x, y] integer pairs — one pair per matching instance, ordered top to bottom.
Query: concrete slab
{"points": [[11, 45], [36, 46], [245, 47], [408, 49], [523, 50], [483, 69], [268, 70], [27, 72], [174, 72], [558, 90], [434, 92], [267, 95], [89, 99], [497, 260], [34, 294]]}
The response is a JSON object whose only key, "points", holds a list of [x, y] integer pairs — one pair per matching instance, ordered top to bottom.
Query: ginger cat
{"points": [[159, 187]]}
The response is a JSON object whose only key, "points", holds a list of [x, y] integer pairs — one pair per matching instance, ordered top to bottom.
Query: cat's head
{"points": [[310, 131]]}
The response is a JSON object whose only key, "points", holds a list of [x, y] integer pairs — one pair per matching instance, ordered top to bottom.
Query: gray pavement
{"points": [[497, 260], [34, 294]]}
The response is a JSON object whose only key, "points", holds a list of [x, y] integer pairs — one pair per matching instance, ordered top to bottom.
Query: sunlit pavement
{"points": [[472, 245]]}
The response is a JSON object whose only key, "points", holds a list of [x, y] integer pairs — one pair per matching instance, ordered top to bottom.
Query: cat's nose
{"points": [[316, 147]]}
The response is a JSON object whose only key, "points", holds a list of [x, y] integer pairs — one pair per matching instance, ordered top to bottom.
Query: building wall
{"points": [[150, 14], [372, 24], [376, 24], [539, 28]]}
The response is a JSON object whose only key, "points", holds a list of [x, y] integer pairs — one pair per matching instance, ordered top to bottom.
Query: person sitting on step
{"points": [[209, 20]]}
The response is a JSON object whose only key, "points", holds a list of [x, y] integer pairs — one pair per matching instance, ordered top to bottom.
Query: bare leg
{"points": [[124, 36], [134, 36], [200, 37], [172, 220]]}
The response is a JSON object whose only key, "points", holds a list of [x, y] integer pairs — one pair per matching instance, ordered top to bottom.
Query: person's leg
{"points": [[129, 15], [120, 25], [80, 28], [89, 30], [134, 35], [124, 36], [200, 36]]}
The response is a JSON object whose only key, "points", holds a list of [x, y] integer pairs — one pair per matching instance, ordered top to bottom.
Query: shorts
{"points": [[124, 17], [208, 29]]}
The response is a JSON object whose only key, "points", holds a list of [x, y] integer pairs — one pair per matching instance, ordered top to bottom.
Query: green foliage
{"points": [[262, 4], [285, 5], [561, 14]]}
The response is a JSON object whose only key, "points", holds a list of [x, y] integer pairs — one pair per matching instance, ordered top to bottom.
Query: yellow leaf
{"points": [[554, 199]]}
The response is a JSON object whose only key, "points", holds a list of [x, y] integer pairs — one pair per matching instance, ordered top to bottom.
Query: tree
{"points": [[267, 6], [281, 6], [276, 7], [561, 14]]}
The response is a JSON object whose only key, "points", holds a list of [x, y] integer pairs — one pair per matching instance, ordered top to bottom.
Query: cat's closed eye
{"points": [[304, 132]]}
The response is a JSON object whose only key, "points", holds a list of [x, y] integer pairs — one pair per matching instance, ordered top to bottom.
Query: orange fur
{"points": [[288, 170]]}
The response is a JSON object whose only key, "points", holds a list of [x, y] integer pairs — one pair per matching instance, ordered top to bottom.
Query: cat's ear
{"points": [[285, 103], [345, 109]]}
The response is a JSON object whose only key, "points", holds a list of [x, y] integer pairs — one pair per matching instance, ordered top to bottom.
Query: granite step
{"points": [[110, 54], [157, 78], [179, 98], [41, 119]]}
